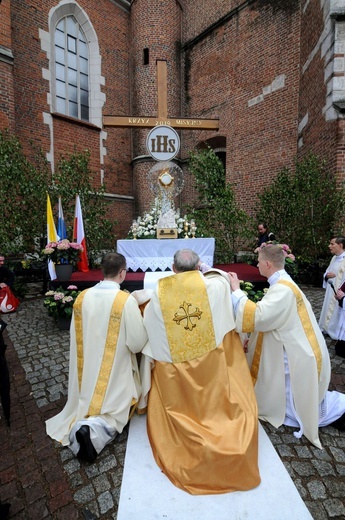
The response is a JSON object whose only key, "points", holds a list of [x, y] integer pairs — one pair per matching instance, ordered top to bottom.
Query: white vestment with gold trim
{"points": [[329, 316], [290, 385], [123, 386]]}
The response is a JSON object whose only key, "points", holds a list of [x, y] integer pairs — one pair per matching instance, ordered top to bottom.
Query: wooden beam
{"points": [[150, 122]]}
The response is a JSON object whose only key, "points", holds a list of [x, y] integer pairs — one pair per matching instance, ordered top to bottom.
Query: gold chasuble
{"points": [[202, 412]]}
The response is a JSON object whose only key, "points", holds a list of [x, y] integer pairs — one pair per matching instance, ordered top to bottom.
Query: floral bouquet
{"points": [[146, 226], [63, 251], [290, 265], [59, 303]]}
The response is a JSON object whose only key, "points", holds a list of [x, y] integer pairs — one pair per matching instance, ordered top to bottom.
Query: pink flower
{"points": [[74, 245], [63, 246], [285, 247], [48, 250], [63, 251], [72, 288], [59, 296]]}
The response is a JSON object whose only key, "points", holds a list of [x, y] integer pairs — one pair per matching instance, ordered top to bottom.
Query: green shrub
{"points": [[73, 176], [23, 190], [23, 198], [304, 208], [217, 214]]}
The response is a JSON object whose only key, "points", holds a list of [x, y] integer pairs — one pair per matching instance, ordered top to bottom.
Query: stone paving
{"points": [[43, 480]]}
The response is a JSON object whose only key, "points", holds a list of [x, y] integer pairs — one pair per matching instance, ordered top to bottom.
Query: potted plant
{"points": [[63, 253], [255, 295], [59, 305]]}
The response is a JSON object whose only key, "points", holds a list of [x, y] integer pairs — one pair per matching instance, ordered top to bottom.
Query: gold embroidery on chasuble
{"points": [[188, 320], [248, 320], [306, 323], [108, 354]]}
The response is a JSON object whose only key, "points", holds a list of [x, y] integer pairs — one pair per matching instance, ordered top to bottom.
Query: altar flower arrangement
{"points": [[146, 226], [63, 251], [59, 303]]}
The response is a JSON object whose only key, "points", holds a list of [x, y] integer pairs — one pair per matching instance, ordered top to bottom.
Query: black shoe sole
{"points": [[86, 452]]}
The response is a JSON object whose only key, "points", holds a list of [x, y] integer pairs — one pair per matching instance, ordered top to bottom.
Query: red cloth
{"points": [[8, 302]]}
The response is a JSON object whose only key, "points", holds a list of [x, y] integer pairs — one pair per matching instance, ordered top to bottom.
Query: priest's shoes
{"points": [[340, 348], [339, 424], [87, 451], [4, 511]]}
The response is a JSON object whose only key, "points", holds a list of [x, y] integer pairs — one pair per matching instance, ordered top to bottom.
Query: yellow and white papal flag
{"points": [[52, 236]]}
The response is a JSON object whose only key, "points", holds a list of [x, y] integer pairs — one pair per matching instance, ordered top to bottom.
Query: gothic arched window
{"points": [[71, 69]]}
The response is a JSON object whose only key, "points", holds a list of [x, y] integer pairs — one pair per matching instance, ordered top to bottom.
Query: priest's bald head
{"points": [[185, 260]]}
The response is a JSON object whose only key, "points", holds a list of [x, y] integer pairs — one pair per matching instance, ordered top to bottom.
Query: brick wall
{"points": [[5, 24], [155, 26], [254, 64], [6, 68], [246, 72], [31, 91], [6, 97], [316, 133]]}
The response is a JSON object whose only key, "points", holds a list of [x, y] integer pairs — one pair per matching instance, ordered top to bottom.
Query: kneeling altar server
{"points": [[106, 333]]}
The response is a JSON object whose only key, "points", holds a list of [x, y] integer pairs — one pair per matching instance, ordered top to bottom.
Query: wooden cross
{"points": [[162, 112], [187, 316]]}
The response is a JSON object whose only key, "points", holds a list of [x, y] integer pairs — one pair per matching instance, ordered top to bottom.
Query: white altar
{"points": [[158, 254]]}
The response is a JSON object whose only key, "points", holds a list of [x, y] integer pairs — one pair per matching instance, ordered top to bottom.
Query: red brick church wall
{"points": [[111, 24], [155, 26], [241, 61], [6, 68], [246, 72], [318, 134]]}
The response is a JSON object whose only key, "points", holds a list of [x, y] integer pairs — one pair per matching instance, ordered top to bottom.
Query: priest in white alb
{"points": [[333, 279], [287, 353], [104, 385]]}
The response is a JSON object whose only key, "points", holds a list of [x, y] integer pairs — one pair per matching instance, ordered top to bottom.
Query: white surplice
{"points": [[330, 309], [293, 372], [123, 383]]}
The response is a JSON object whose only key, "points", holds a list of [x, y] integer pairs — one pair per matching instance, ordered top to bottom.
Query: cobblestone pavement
{"points": [[43, 480]]}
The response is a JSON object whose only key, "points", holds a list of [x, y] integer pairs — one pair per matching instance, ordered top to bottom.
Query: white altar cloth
{"points": [[158, 254], [151, 279]]}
